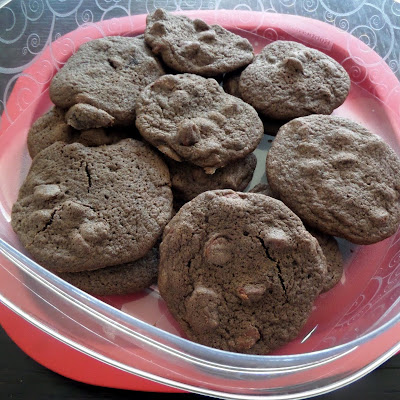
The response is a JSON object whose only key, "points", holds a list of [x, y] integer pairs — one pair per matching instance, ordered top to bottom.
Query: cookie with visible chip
{"points": [[192, 46], [288, 80], [100, 83], [190, 118], [51, 127], [337, 177], [188, 181], [83, 208], [328, 243], [239, 271], [119, 279]]}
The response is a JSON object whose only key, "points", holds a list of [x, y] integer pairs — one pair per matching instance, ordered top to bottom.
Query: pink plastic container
{"points": [[119, 340]]}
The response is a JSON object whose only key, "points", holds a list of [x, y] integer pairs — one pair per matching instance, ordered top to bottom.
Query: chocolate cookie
{"points": [[193, 46], [102, 80], [288, 80], [231, 85], [190, 118], [51, 127], [48, 129], [337, 177], [188, 181], [265, 189], [83, 208], [328, 243], [334, 259], [239, 272], [119, 279]]}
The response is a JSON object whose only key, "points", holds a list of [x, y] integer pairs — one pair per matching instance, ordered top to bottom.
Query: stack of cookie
{"points": [[239, 271]]}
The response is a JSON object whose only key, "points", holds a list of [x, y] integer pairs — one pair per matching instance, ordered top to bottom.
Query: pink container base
{"points": [[371, 274]]}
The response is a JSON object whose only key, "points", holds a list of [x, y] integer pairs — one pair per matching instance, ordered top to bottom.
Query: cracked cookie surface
{"points": [[192, 46], [102, 80], [288, 80], [190, 118], [337, 177], [83, 208], [329, 245], [239, 271]]}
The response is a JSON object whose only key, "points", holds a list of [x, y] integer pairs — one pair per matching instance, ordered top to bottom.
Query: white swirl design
{"points": [[310, 5], [34, 10], [84, 17], [377, 22], [342, 23], [32, 44], [394, 65]]}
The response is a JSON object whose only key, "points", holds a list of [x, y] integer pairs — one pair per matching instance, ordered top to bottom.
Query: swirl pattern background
{"points": [[29, 26]]}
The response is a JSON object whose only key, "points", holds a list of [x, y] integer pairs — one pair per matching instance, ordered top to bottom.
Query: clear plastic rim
{"points": [[196, 351], [194, 389]]}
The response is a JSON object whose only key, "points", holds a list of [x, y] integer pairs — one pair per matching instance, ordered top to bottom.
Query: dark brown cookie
{"points": [[193, 46], [102, 80], [288, 80], [231, 86], [190, 118], [51, 127], [48, 129], [337, 177], [188, 181], [264, 189], [83, 208], [328, 243], [334, 259], [239, 272], [119, 279]]}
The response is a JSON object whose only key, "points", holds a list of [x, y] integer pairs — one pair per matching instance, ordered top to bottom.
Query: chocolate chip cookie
{"points": [[193, 46], [288, 80], [100, 83], [231, 85], [190, 118], [51, 127], [337, 177], [188, 181], [83, 208], [328, 243], [239, 272], [119, 279]]}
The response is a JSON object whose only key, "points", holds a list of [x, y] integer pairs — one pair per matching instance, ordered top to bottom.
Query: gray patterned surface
{"points": [[28, 26]]}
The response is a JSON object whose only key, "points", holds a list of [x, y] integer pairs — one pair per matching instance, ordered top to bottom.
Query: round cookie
{"points": [[193, 46], [102, 80], [288, 80], [230, 83], [231, 86], [190, 118], [51, 127], [48, 129], [337, 177], [188, 181], [265, 189], [83, 208], [329, 245], [334, 259], [239, 272], [119, 279]]}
